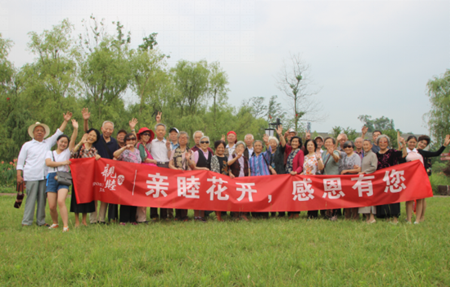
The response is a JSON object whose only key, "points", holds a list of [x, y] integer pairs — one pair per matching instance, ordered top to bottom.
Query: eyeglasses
{"points": [[146, 134], [131, 139], [204, 142], [349, 146]]}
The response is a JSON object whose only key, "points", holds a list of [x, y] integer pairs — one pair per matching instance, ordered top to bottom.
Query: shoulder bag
{"points": [[63, 177]]}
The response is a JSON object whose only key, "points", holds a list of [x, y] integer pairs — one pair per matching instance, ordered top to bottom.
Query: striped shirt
{"points": [[259, 164]]}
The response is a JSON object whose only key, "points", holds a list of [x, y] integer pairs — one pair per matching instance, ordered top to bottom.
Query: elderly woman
{"points": [[144, 136], [84, 149], [129, 154], [388, 157], [180, 159], [202, 159], [331, 159], [59, 160], [294, 163], [219, 164], [350, 164], [259, 165], [368, 165], [311, 166], [239, 167]]}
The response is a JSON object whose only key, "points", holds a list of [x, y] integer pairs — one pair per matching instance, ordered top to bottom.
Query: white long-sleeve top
{"points": [[32, 157]]}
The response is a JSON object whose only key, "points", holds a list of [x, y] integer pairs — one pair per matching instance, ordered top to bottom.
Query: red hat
{"points": [[144, 129], [231, 132]]}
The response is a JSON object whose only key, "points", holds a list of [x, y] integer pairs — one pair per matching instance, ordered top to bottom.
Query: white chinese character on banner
{"points": [[108, 172], [219, 181], [394, 181], [110, 184], [364, 184], [157, 185], [188, 187], [332, 187], [246, 188], [303, 190]]}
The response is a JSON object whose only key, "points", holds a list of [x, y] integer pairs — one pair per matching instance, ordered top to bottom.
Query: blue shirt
{"points": [[101, 144], [174, 146], [259, 165]]}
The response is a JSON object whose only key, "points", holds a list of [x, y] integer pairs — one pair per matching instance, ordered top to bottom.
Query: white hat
{"points": [[32, 127], [292, 131]]}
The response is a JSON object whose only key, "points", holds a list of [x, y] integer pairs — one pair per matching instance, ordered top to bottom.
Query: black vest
{"points": [[202, 161]]}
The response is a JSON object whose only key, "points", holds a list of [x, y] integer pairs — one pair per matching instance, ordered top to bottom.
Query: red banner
{"points": [[133, 184]]}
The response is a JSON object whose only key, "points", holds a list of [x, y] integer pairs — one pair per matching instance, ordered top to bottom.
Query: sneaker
{"points": [[415, 222], [53, 226], [66, 229]]}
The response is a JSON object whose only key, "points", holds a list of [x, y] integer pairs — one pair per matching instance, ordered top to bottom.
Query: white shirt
{"points": [[230, 149], [158, 150], [250, 152], [32, 157], [55, 157]]}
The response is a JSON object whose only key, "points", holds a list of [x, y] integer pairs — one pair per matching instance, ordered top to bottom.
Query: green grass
{"points": [[274, 252]]}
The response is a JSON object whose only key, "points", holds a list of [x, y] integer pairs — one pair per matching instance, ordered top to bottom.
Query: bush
{"points": [[8, 174], [437, 179]]}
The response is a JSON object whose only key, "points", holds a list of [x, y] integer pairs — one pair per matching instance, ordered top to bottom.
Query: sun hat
{"points": [[32, 127], [144, 129], [174, 129], [291, 130]]}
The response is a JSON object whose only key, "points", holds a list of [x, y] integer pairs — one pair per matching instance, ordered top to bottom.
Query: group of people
{"points": [[280, 154]]}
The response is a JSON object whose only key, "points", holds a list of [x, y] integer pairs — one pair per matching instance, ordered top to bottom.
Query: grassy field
{"points": [[274, 252]]}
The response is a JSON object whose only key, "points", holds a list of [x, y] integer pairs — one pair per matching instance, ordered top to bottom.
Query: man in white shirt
{"points": [[232, 139], [248, 139], [160, 150], [32, 162]]}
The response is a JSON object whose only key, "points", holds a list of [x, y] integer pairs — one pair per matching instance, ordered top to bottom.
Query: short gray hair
{"points": [[107, 122], [160, 124], [197, 132], [182, 133], [342, 134], [249, 135], [204, 137], [384, 137], [275, 139], [368, 141], [238, 143]]}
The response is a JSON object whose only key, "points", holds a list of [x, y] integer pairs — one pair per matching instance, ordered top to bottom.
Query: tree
{"points": [[105, 70], [294, 81], [217, 88], [256, 106], [275, 110], [439, 114], [381, 124]]}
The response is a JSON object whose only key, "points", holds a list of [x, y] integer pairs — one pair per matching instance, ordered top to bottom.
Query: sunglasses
{"points": [[146, 134], [130, 139], [204, 142], [348, 146]]}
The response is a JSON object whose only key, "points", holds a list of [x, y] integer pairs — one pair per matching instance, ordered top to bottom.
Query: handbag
{"points": [[63, 177], [20, 195]]}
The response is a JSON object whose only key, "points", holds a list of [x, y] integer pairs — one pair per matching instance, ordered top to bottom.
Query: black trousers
{"points": [[113, 211], [127, 213]]}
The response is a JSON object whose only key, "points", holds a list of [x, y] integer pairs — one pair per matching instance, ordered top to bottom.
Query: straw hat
{"points": [[32, 127]]}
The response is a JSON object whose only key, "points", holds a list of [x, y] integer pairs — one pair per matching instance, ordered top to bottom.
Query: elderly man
{"points": [[375, 135], [197, 136], [173, 137], [248, 139], [341, 139], [106, 145], [359, 147], [161, 152], [32, 162]]}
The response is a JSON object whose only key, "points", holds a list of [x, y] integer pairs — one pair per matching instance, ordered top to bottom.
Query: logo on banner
{"points": [[109, 177]]}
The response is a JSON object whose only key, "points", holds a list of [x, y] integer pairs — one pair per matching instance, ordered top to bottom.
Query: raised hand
{"points": [[86, 114], [67, 116], [159, 117], [133, 123], [74, 124], [280, 130], [364, 130], [84, 138], [222, 138], [265, 138], [447, 140], [168, 145], [128, 146], [187, 155], [239, 155], [318, 155]]}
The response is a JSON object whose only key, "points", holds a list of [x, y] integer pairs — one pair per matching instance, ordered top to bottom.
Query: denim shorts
{"points": [[52, 184]]}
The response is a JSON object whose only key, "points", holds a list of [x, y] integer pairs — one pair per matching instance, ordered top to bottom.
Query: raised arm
{"points": [[86, 115], [67, 117], [132, 124], [364, 131], [280, 135], [73, 138], [426, 153]]}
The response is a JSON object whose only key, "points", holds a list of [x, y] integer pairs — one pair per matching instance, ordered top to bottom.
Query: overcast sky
{"points": [[365, 57]]}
